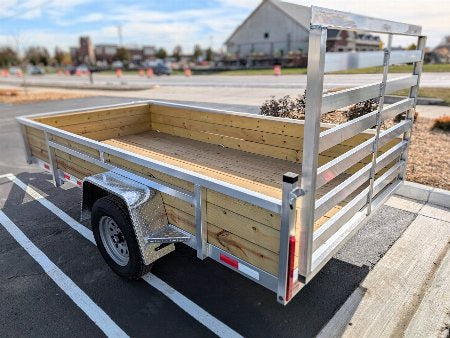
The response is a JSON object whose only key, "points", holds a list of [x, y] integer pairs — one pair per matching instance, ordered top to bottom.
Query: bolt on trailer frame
{"points": [[315, 247]]}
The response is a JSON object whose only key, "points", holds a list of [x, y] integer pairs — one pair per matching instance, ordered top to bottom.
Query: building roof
{"points": [[298, 13]]}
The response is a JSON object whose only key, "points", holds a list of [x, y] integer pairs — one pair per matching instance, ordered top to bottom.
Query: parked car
{"points": [[117, 65], [161, 69], [14, 70], [35, 70]]}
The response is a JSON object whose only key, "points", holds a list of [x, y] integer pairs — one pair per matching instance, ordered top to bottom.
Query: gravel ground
{"points": [[429, 155]]}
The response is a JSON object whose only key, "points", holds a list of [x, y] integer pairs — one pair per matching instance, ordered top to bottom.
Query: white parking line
{"points": [[82, 300], [202, 316]]}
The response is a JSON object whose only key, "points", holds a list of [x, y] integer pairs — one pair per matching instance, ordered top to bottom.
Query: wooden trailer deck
{"points": [[248, 151]]}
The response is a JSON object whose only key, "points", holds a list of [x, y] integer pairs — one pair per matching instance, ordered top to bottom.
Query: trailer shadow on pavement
{"points": [[137, 308]]}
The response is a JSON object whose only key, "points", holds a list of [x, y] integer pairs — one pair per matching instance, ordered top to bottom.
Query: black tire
{"points": [[113, 207]]}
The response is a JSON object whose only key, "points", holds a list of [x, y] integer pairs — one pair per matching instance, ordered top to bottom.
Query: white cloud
{"points": [[188, 27]]}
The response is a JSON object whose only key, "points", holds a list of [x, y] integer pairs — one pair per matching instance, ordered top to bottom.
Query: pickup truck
{"points": [[271, 198]]}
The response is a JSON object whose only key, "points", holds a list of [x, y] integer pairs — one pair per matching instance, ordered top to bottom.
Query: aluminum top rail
{"points": [[330, 18]]}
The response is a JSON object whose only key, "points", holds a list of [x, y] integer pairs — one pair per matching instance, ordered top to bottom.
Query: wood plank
{"points": [[66, 119], [257, 122], [90, 127], [35, 132], [117, 132], [257, 136], [36, 142], [230, 142], [76, 146], [39, 153], [250, 166], [72, 168], [92, 168], [233, 179], [243, 208], [234, 223], [252, 253]]}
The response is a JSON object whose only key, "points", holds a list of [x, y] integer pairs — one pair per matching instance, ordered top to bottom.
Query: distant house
{"points": [[277, 28], [442, 51], [105, 53]]}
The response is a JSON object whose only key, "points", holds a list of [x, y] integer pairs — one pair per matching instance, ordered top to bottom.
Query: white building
{"points": [[276, 28]]}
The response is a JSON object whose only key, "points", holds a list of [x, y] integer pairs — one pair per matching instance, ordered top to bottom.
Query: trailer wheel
{"points": [[113, 232]]}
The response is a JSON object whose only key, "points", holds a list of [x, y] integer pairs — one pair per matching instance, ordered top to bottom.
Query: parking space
{"points": [[183, 296]]}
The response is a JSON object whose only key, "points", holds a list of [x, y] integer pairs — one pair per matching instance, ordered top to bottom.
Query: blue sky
{"points": [[170, 22]]}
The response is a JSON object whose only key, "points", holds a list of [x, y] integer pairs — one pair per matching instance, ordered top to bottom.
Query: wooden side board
{"points": [[102, 124]]}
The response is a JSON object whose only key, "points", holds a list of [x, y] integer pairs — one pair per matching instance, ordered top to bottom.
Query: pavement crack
{"points": [[25, 275]]}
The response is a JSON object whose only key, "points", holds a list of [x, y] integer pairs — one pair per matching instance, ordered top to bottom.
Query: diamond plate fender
{"points": [[145, 207]]}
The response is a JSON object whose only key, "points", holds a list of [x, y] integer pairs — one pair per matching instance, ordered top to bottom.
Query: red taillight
{"points": [[46, 166], [67, 177], [290, 273]]}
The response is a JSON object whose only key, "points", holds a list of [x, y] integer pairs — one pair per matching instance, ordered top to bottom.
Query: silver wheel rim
{"points": [[113, 240]]}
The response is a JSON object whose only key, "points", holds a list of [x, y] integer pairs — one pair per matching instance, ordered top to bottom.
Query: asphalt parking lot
{"points": [[183, 296]]}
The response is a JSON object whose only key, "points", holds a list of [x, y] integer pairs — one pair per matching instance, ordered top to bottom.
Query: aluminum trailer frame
{"points": [[316, 247]]}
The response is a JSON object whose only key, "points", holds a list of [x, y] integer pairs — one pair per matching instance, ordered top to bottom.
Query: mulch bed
{"points": [[18, 96], [429, 155]]}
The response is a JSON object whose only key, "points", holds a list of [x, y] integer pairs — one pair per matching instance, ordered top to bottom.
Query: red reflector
{"points": [[46, 166], [67, 177], [79, 183], [291, 257], [230, 261]]}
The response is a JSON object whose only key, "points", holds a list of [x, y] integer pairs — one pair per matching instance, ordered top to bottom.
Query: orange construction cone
{"points": [[277, 70], [59, 72], [78, 72], [119, 72], [141, 72], [150, 72], [187, 72], [4, 73], [67, 73]]}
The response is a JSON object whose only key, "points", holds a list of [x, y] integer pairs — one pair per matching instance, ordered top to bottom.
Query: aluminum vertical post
{"points": [[387, 54], [314, 93], [413, 93], [52, 161], [288, 210], [200, 221]]}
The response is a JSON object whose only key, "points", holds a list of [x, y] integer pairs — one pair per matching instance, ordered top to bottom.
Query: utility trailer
{"points": [[271, 198]]}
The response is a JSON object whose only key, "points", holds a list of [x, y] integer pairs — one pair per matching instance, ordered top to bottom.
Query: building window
{"points": [[266, 35]]}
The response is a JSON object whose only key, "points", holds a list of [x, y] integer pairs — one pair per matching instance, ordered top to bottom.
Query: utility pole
{"points": [[119, 31]]}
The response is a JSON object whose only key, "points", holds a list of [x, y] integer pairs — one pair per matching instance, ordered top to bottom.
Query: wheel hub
{"points": [[113, 240]]}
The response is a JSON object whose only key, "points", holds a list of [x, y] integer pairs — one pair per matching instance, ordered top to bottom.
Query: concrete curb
{"points": [[88, 86], [420, 100], [425, 193]]}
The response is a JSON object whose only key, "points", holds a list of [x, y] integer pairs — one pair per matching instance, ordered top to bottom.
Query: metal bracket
{"points": [[294, 194]]}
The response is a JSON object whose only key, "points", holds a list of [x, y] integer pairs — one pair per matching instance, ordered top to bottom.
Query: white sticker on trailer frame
{"points": [[248, 271]]}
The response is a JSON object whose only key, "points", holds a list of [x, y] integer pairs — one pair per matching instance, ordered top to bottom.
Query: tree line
{"points": [[34, 55], [37, 55]]}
